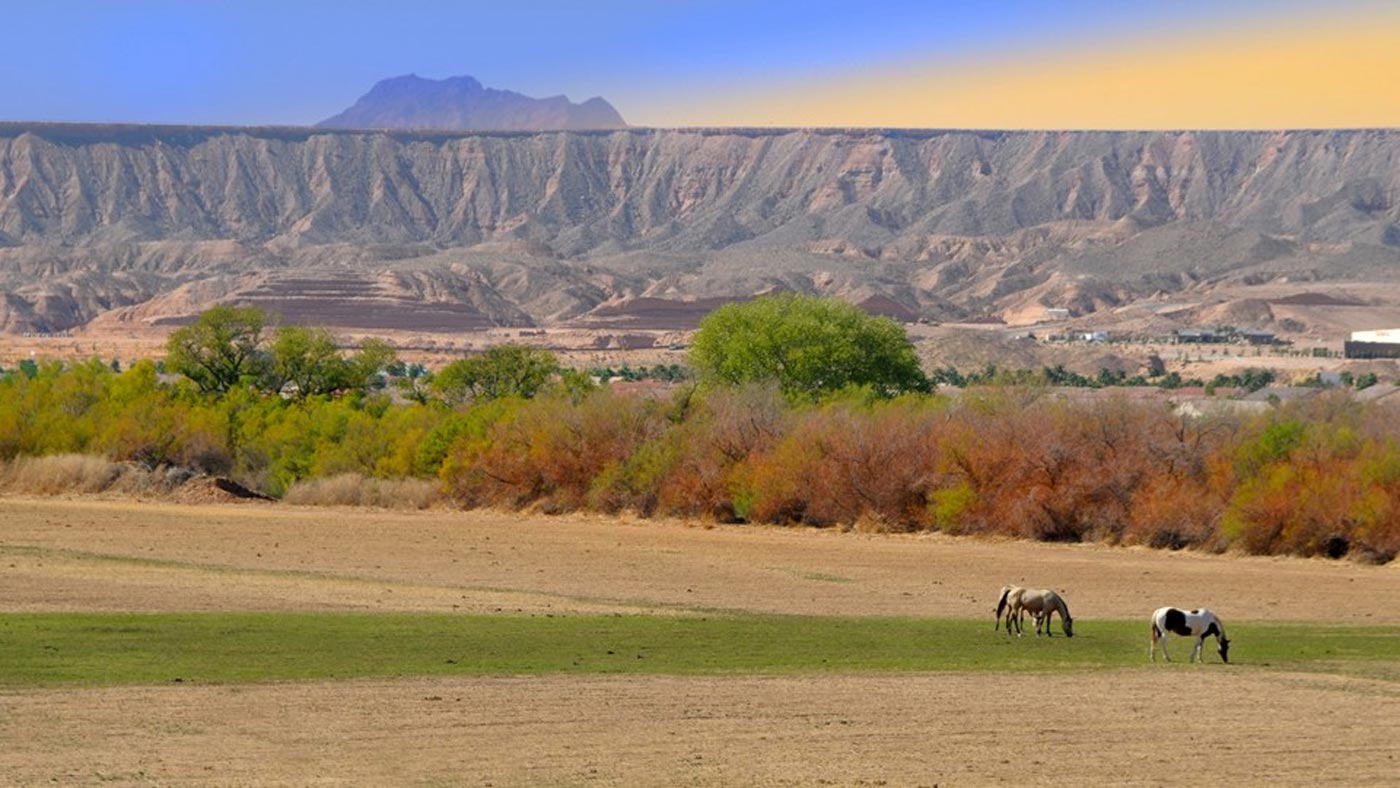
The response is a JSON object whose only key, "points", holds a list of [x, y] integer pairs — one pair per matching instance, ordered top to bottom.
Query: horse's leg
{"points": [[1196, 652], [1165, 654]]}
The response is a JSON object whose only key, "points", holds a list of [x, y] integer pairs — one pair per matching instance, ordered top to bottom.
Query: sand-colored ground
{"points": [[117, 555], [1154, 725], [1126, 727]]}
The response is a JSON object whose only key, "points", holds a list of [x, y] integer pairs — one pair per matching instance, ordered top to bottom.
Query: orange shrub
{"points": [[550, 451]]}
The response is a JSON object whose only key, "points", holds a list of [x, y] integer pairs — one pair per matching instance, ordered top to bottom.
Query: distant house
{"points": [[1056, 313], [1378, 335], [1092, 336], [1258, 337], [1381, 343]]}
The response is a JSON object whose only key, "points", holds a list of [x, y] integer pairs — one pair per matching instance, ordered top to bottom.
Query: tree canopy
{"points": [[807, 345], [228, 347], [221, 349], [501, 371]]}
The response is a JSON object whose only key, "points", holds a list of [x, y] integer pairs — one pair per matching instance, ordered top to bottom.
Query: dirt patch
{"points": [[214, 489], [120, 555], [1124, 727]]}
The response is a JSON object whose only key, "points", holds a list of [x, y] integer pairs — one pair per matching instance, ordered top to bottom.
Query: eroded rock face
{"points": [[539, 228]]}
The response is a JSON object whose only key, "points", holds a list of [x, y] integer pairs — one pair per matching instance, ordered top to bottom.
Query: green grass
{"points": [[92, 649]]}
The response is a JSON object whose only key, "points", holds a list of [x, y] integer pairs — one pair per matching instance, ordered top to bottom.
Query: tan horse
{"points": [[1009, 596], [1041, 603]]}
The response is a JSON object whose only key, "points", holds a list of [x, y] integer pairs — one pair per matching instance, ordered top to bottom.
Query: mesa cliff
{"points": [[449, 231]]}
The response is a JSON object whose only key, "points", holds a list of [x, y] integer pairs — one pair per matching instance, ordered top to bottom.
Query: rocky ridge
{"points": [[153, 223]]}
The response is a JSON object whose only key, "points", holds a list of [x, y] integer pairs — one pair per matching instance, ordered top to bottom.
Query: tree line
{"points": [[783, 437]]}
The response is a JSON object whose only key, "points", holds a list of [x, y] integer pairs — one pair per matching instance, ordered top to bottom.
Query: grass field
{"points": [[120, 649]]}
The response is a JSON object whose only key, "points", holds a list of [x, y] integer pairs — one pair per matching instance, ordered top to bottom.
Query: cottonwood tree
{"points": [[807, 345], [220, 350], [501, 371]]}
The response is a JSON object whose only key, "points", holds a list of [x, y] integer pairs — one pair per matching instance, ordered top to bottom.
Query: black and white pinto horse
{"points": [[1199, 624]]}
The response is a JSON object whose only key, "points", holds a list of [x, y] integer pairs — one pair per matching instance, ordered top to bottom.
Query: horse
{"points": [[1005, 603], [1042, 603], [1199, 624]]}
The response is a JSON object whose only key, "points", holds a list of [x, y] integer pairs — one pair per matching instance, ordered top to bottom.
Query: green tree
{"points": [[806, 345], [220, 350], [375, 356], [308, 359], [502, 371]]}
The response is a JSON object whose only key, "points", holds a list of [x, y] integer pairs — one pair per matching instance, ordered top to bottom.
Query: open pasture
{"points": [[151, 643]]}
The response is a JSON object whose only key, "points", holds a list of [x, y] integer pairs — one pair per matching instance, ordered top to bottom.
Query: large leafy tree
{"points": [[807, 345], [221, 349], [308, 359], [501, 371]]}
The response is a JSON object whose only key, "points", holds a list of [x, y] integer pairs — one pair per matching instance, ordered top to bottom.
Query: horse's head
{"points": [[1069, 626], [1224, 650]]}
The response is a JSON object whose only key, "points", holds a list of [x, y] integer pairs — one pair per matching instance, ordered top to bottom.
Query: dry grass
{"points": [[60, 473], [82, 474], [86, 474], [352, 489]]}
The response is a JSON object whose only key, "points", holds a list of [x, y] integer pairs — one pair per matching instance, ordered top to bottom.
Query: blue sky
{"points": [[288, 62]]}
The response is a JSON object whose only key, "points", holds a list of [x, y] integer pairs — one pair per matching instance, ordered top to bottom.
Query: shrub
{"points": [[550, 450], [60, 473], [353, 489]]}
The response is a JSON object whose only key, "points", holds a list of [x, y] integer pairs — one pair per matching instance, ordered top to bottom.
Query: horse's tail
{"points": [[1001, 606]]}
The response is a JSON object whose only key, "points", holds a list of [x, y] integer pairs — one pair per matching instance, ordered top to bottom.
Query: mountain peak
{"points": [[463, 103]]}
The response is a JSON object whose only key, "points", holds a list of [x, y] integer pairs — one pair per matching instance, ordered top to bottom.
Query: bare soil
{"points": [[87, 554], [1155, 725]]}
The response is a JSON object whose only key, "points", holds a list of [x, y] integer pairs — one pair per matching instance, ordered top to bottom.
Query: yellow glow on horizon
{"points": [[1300, 75]]}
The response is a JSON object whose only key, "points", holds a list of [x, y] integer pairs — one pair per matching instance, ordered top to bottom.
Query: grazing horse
{"points": [[1005, 603], [1042, 603], [1199, 624]]}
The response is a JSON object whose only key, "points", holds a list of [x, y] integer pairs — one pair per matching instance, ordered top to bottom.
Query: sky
{"points": [[885, 63]]}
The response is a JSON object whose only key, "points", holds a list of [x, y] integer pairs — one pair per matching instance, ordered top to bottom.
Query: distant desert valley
{"points": [[614, 243]]}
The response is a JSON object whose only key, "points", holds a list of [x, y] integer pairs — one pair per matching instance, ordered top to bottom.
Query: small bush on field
{"points": [[353, 489]]}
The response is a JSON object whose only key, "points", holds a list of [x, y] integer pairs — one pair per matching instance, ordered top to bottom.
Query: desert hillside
{"points": [[454, 231]]}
